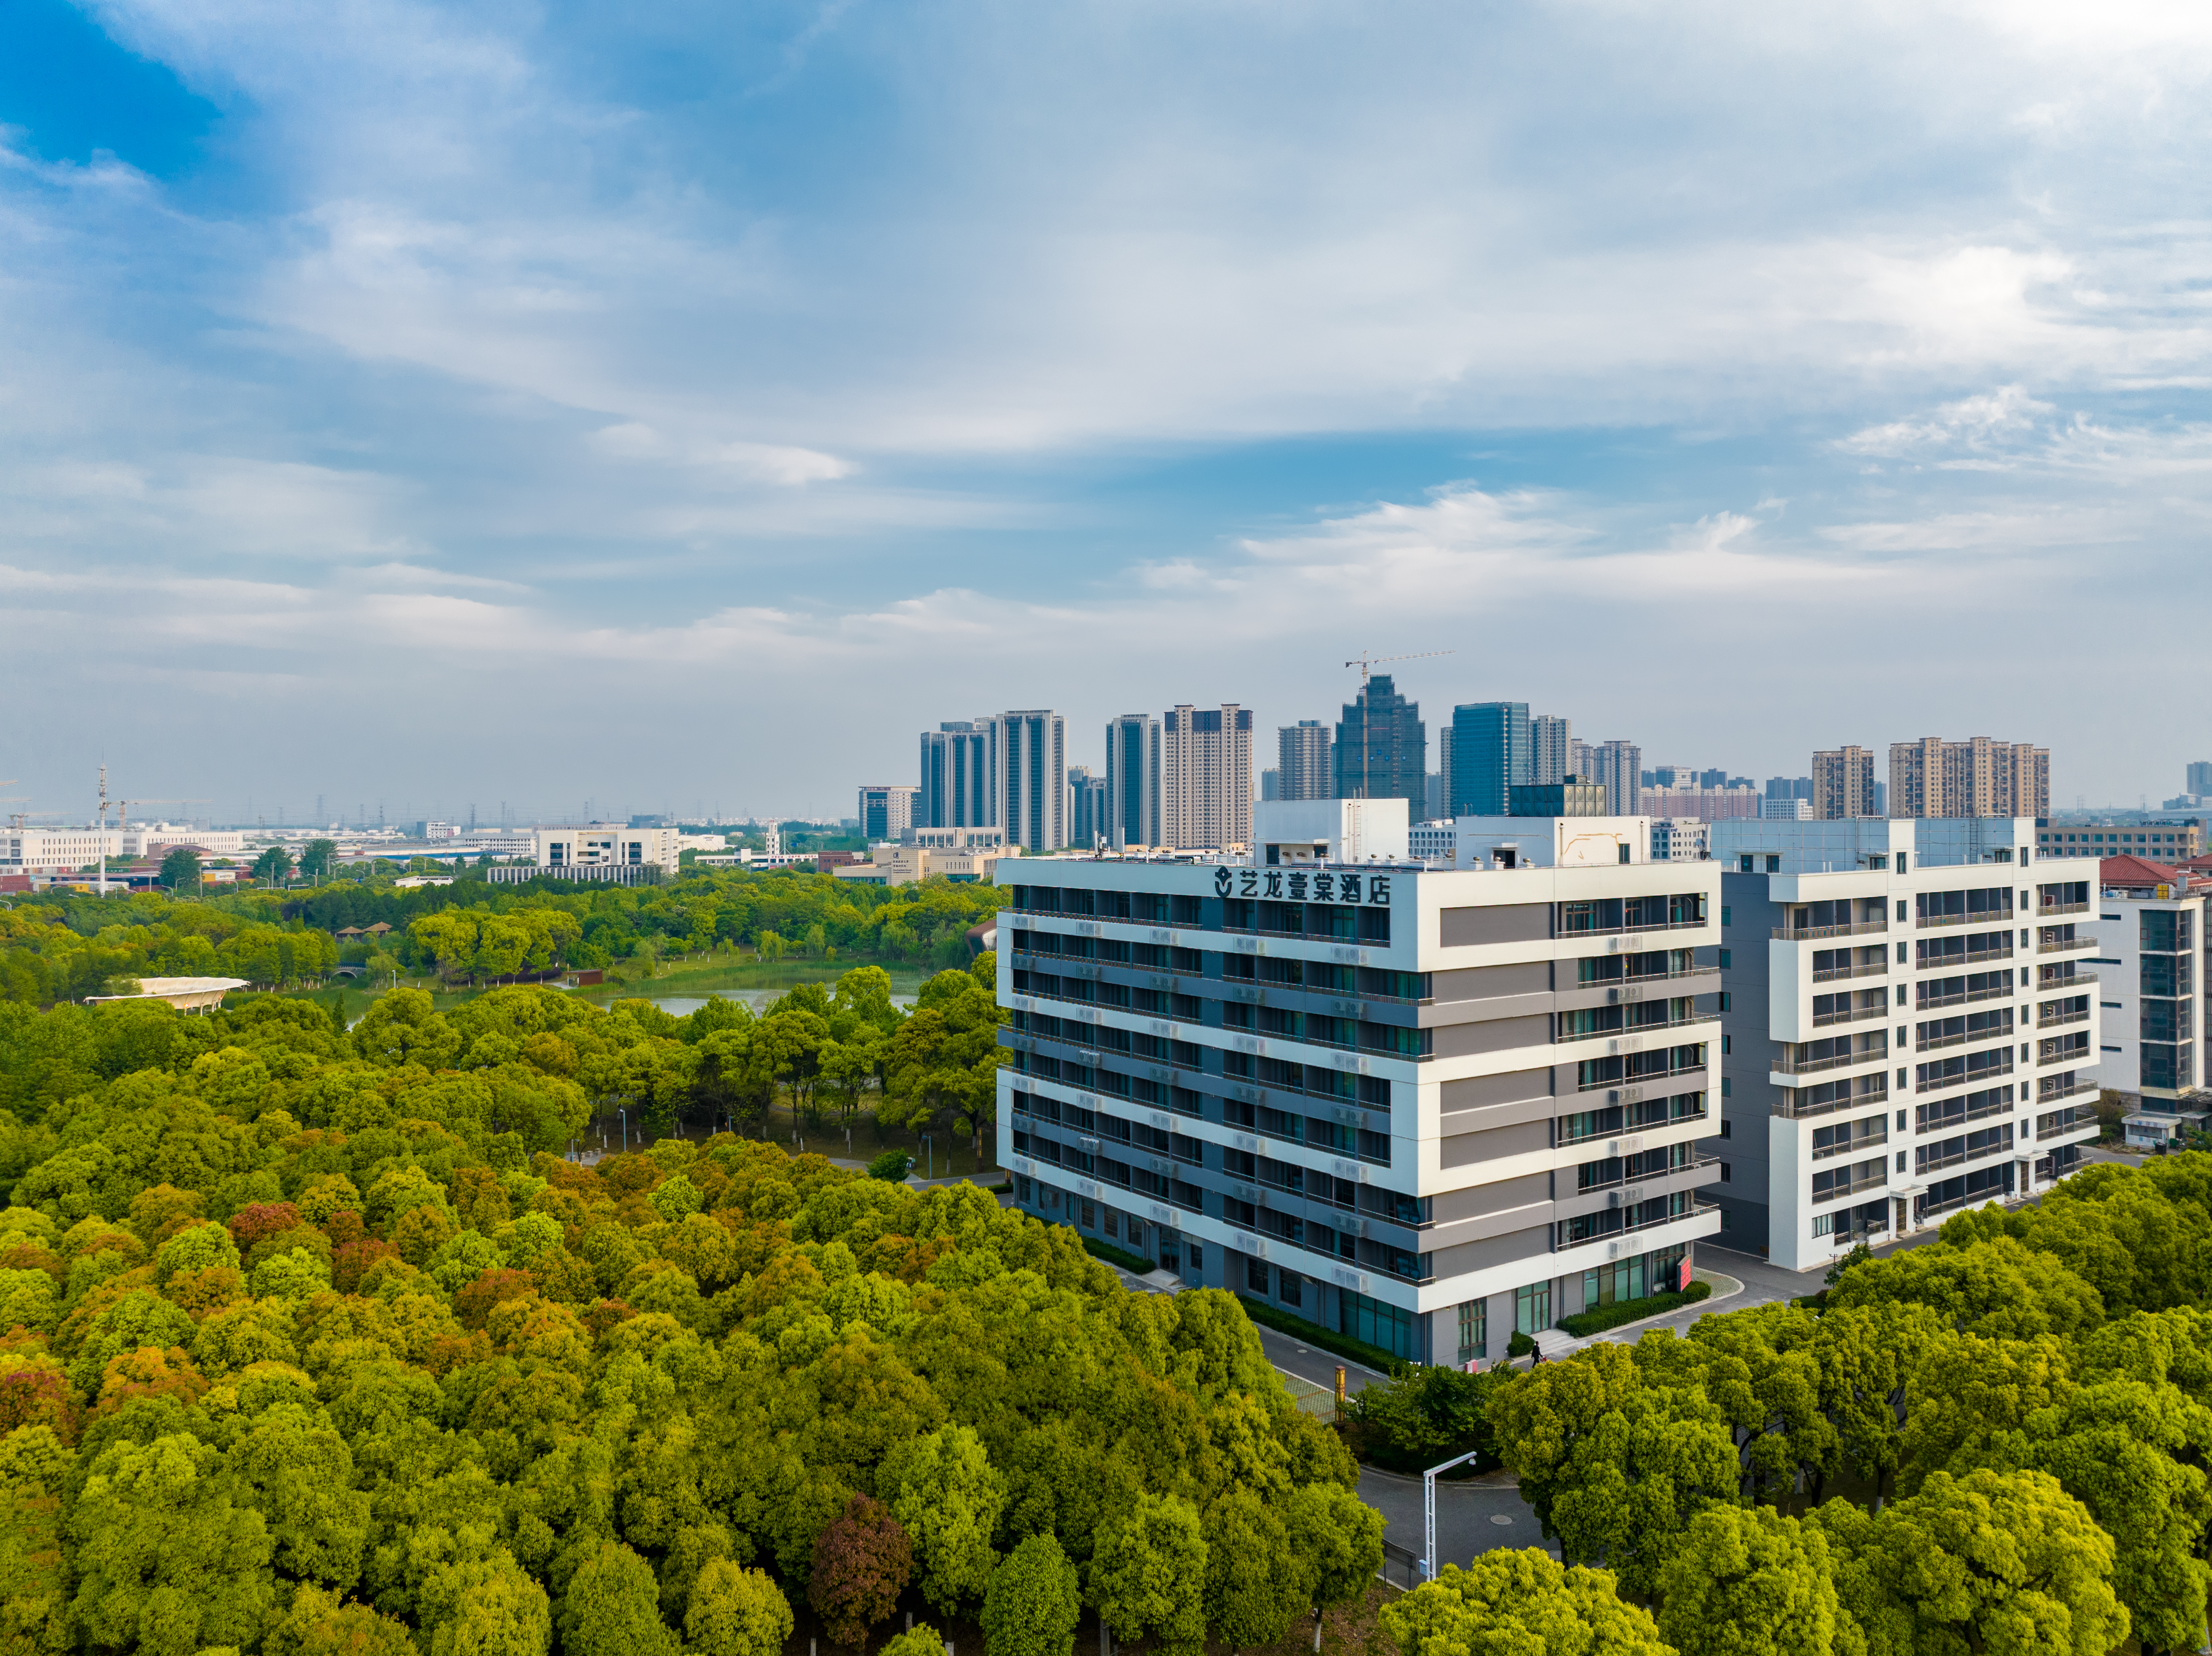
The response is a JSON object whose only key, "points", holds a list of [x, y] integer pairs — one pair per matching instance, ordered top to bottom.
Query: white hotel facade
{"points": [[1910, 1026], [1424, 1106]]}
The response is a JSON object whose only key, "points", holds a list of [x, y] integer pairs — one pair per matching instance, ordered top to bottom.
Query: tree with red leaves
{"points": [[250, 1224], [862, 1563]]}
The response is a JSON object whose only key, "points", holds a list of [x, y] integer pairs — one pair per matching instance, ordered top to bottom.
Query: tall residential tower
{"points": [[1206, 775]]}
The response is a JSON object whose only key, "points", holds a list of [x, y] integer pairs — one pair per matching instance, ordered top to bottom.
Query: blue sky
{"points": [[543, 403]]}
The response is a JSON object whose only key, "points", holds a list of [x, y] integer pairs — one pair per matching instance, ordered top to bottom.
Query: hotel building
{"points": [[1423, 1106]]}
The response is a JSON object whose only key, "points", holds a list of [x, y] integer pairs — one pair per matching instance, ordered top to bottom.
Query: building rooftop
{"points": [[2138, 876]]}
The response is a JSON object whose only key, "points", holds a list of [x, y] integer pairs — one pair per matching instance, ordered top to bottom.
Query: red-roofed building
{"points": [[2139, 878]]}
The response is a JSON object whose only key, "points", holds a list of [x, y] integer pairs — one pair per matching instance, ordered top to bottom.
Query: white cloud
{"points": [[836, 363]]}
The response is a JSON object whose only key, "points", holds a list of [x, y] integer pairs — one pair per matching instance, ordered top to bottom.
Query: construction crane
{"points": [[1364, 661], [123, 808]]}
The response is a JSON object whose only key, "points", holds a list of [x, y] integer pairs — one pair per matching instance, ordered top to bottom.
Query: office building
{"points": [[1382, 749], [1551, 749], [1491, 756], [1302, 763], [1619, 766], [959, 775], [1206, 777], [1975, 778], [2200, 778], [1033, 779], [1133, 783], [1270, 783], [1843, 783], [1789, 787], [1086, 808], [1773, 810], [887, 811], [1680, 838], [2162, 839], [580, 850], [56, 851], [897, 865], [2149, 919], [1911, 1026], [1426, 1107]]}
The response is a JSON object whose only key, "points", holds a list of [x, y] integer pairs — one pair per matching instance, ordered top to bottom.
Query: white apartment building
{"points": [[1680, 838], [603, 845], [2149, 923], [1917, 1022], [1423, 1106]]}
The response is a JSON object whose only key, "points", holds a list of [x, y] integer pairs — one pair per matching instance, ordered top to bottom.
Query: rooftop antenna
{"points": [[1364, 661]]}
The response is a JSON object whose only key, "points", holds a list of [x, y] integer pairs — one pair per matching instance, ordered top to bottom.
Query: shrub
{"points": [[890, 1166], [1136, 1262], [1603, 1317]]}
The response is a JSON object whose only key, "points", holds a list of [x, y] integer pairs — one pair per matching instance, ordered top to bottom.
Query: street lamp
{"points": [[624, 1114], [930, 1150]]}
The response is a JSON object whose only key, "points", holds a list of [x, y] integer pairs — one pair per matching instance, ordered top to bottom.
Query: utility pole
{"points": [[1364, 661]]}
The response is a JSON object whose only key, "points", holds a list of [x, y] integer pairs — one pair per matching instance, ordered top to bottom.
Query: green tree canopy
{"points": [[1749, 1583], [1033, 1602], [1520, 1602]]}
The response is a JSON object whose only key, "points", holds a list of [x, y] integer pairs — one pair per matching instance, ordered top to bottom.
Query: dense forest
{"points": [[65, 947], [310, 1339], [316, 1344], [1996, 1442]]}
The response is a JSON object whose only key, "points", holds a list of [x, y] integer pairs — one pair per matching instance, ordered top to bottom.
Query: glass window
{"points": [[1532, 1308], [1378, 1324], [1473, 1329]]}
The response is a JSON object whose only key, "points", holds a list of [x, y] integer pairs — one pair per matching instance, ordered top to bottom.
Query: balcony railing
{"points": [[2063, 908], [1983, 916], [1850, 929], [1618, 930], [2065, 945], [1833, 973], [2065, 985], [1933, 1002], [1857, 1015], [2048, 1022], [1940, 1042], [1787, 1065], [1964, 1078], [1646, 1079], [2073, 1088], [1789, 1108], [1980, 1112], [2061, 1122], [1958, 1158], [1695, 1163], [1874, 1180]]}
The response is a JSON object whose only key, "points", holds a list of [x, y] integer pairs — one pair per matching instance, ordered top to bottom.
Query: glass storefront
{"points": [[1657, 1272], [1379, 1324]]}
